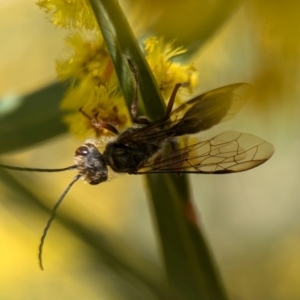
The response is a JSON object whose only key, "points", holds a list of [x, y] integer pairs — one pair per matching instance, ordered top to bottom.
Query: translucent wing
{"points": [[211, 108], [198, 114], [228, 152]]}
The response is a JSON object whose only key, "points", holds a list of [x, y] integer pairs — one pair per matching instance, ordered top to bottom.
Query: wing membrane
{"points": [[212, 108], [197, 114], [228, 152]]}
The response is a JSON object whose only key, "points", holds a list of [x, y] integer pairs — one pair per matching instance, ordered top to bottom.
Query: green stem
{"points": [[122, 45], [190, 269]]}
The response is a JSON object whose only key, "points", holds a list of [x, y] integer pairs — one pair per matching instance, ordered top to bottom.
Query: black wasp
{"points": [[150, 147]]}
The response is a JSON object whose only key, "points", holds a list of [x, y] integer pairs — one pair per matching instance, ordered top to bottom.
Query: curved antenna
{"points": [[37, 169], [55, 207]]}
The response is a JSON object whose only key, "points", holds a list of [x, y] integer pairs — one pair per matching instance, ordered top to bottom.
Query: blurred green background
{"points": [[102, 244]]}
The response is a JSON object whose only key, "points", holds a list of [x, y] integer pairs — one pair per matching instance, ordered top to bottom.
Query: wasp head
{"points": [[90, 164]]}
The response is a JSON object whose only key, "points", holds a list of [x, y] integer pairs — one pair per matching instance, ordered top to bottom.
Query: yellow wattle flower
{"points": [[70, 14], [160, 56], [87, 57], [89, 67], [97, 104]]}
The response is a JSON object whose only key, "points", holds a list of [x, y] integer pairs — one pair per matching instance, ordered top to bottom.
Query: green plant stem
{"points": [[190, 269]]}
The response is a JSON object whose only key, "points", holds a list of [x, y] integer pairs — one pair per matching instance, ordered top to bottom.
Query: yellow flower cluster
{"points": [[69, 14], [160, 56], [87, 57], [87, 65], [94, 88], [98, 104]]}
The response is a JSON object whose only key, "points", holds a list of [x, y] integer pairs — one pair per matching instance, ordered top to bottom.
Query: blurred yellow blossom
{"points": [[71, 14], [87, 57], [87, 65], [90, 69], [167, 73], [94, 87], [97, 104]]}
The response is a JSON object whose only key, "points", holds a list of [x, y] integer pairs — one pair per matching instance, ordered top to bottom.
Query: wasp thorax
{"points": [[90, 164]]}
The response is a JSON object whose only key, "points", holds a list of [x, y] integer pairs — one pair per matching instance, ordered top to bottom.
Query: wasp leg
{"points": [[172, 99], [134, 105], [100, 125]]}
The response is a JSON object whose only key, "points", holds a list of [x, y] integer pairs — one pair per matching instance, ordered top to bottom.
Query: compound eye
{"points": [[82, 150]]}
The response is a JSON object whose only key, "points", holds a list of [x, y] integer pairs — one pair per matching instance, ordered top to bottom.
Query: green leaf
{"points": [[122, 46], [28, 120], [189, 266]]}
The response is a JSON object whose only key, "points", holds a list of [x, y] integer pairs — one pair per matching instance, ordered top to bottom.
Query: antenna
{"points": [[37, 169], [56, 204], [55, 207]]}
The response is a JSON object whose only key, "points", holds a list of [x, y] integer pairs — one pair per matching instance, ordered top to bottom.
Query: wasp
{"points": [[150, 146]]}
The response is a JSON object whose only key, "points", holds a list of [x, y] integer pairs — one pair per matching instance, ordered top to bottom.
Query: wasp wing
{"points": [[212, 108], [197, 114], [228, 152]]}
